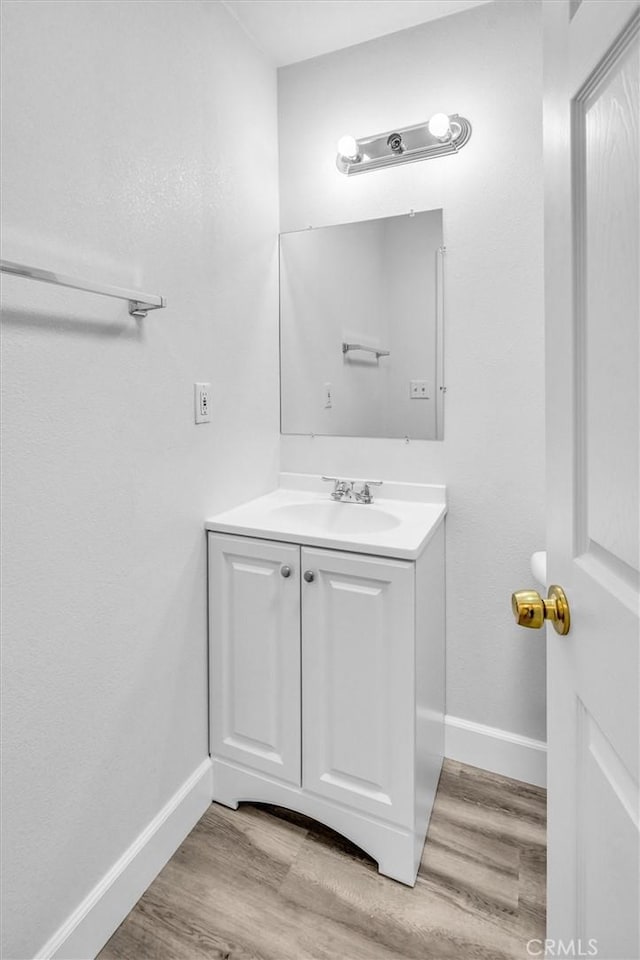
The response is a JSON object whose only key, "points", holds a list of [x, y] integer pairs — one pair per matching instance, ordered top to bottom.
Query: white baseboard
{"points": [[496, 750], [89, 927]]}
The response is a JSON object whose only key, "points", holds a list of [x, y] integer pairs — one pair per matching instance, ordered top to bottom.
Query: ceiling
{"points": [[291, 30]]}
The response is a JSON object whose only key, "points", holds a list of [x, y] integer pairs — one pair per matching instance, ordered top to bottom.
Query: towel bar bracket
{"points": [[139, 309]]}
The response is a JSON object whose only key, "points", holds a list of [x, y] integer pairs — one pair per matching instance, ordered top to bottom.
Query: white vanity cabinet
{"points": [[327, 687]]}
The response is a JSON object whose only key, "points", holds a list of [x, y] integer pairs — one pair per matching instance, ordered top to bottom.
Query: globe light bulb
{"points": [[439, 126], [348, 147]]}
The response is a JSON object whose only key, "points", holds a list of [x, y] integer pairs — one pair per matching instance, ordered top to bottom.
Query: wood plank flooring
{"points": [[262, 883]]}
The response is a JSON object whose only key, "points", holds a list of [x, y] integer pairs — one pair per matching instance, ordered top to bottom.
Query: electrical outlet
{"points": [[418, 390], [326, 393], [202, 402]]}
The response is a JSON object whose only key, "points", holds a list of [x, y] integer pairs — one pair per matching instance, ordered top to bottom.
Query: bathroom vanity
{"points": [[326, 631]]}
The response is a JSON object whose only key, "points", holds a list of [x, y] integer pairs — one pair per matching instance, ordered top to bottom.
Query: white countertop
{"points": [[399, 523]]}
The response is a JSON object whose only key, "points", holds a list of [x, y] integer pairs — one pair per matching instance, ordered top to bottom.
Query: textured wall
{"points": [[486, 65], [129, 133]]}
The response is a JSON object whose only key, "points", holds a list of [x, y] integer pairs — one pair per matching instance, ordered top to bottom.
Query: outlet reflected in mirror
{"points": [[361, 329]]}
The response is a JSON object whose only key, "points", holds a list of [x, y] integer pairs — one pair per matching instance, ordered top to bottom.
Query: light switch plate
{"points": [[202, 402]]}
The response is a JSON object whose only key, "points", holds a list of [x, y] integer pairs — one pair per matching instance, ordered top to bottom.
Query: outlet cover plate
{"points": [[419, 389]]}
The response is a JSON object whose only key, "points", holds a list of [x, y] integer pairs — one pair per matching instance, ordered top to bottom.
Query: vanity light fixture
{"points": [[439, 136]]}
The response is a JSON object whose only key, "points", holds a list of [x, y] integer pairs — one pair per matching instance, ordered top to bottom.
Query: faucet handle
{"points": [[371, 483], [337, 485], [340, 487], [364, 494]]}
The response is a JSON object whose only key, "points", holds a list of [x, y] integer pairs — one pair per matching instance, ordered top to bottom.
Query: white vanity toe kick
{"points": [[389, 528]]}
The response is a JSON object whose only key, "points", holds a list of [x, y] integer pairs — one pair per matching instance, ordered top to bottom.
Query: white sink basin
{"points": [[330, 517], [398, 524]]}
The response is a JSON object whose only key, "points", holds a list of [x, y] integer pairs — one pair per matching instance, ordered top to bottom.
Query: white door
{"points": [[591, 116], [254, 610], [358, 681]]}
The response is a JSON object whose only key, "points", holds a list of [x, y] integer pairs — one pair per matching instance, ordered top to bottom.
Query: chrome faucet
{"points": [[352, 491]]}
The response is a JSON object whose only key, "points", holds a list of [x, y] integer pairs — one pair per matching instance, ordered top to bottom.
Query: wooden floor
{"points": [[261, 882]]}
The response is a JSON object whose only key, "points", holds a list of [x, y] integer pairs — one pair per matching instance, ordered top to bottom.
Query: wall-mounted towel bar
{"points": [[139, 303], [347, 347]]}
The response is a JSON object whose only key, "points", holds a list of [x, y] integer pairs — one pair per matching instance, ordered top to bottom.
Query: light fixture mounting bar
{"points": [[405, 145]]}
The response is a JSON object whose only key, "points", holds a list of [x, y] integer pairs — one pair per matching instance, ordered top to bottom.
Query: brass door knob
{"points": [[531, 610]]}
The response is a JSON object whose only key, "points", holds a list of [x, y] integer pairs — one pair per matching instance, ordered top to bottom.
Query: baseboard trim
{"points": [[496, 750], [85, 932]]}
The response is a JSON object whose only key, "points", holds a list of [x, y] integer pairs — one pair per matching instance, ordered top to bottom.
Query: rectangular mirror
{"points": [[361, 329]]}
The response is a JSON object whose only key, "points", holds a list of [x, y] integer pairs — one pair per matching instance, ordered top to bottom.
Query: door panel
{"points": [[605, 144], [592, 222], [255, 654], [358, 682], [607, 902]]}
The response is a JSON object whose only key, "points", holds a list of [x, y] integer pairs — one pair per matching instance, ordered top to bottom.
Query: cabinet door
{"points": [[255, 654], [358, 682]]}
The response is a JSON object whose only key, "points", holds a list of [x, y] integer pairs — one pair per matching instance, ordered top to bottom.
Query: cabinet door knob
{"points": [[285, 571], [309, 576]]}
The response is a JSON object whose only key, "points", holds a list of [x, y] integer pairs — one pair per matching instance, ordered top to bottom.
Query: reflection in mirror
{"points": [[361, 336]]}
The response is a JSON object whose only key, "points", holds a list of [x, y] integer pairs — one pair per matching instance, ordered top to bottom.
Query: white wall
{"points": [[486, 65], [129, 134]]}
